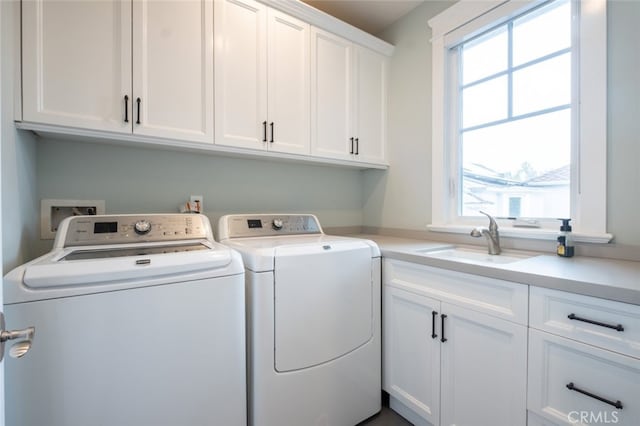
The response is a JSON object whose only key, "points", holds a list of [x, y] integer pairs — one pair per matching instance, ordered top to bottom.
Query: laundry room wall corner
{"points": [[19, 202]]}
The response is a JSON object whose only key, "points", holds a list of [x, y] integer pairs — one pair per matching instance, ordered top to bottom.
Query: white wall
{"points": [[135, 180], [401, 198]]}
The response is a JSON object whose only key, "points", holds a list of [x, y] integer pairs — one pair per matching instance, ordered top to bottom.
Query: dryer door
{"points": [[323, 302]]}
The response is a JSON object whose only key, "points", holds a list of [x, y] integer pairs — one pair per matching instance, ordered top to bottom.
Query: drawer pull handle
{"points": [[434, 314], [617, 327], [442, 338], [616, 404]]}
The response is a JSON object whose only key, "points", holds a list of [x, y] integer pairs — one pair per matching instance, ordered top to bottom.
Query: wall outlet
{"points": [[197, 203], [52, 212]]}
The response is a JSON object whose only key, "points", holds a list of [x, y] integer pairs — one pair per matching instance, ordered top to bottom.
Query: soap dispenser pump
{"points": [[565, 240]]}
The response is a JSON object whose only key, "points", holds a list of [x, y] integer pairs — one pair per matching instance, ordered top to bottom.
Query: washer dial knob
{"points": [[277, 224], [142, 227]]}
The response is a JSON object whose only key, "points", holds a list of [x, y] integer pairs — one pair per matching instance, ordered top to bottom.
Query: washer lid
{"points": [[92, 265]]}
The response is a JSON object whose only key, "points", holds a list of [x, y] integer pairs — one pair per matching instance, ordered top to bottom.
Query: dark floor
{"points": [[386, 417]]}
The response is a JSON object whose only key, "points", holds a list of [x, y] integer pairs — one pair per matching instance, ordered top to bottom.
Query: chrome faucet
{"points": [[492, 235]]}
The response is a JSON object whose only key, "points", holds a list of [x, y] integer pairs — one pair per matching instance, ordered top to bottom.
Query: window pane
{"points": [[545, 31], [485, 56], [543, 85], [485, 102], [527, 159]]}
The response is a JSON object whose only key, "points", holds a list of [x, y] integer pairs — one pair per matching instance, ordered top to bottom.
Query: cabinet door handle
{"points": [[138, 101], [126, 108], [264, 131], [272, 133], [357, 146], [351, 150], [434, 314], [617, 327], [442, 338], [616, 404]]}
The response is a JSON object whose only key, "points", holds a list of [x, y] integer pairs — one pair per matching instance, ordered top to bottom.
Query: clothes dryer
{"points": [[313, 321]]}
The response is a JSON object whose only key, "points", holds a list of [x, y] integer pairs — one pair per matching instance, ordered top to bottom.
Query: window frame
{"points": [[468, 18]]}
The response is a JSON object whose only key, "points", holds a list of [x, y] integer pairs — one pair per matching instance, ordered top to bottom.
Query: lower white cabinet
{"points": [[445, 364], [584, 366], [575, 383]]}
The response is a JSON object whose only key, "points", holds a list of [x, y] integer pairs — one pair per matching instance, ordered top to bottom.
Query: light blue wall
{"points": [[623, 133], [137, 180], [401, 198], [19, 203]]}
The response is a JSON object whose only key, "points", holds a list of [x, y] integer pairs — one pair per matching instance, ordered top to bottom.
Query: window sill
{"points": [[526, 233]]}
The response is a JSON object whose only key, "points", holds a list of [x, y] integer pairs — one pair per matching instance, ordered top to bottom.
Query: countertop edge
{"points": [[404, 249]]}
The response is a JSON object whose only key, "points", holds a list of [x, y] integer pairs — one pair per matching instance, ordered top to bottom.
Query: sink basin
{"points": [[463, 254]]}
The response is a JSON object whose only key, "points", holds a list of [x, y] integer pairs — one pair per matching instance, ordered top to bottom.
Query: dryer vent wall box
{"points": [[52, 212]]}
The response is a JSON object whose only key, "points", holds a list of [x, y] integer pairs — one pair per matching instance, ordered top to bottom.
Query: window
{"points": [[519, 116]]}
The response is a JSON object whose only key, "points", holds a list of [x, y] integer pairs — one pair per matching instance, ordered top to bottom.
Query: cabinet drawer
{"points": [[502, 299], [604, 323], [570, 382]]}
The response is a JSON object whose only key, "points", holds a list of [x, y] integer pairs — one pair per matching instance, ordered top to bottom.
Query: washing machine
{"points": [[139, 321], [313, 321]]}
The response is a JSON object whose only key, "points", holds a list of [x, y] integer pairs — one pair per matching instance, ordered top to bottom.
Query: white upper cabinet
{"points": [[76, 67], [144, 67], [173, 69], [228, 76], [261, 78], [331, 83], [288, 91], [349, 93], [371, 106]]}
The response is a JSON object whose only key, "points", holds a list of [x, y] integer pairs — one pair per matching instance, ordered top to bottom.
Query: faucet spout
{"points": [[492, 235]]}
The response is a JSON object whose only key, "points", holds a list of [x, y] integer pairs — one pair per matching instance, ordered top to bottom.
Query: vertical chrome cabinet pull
{"points": [[138, 101], [126, 108], [264, 131], [272, 133], [357, 146], [351, 150], [434, 314], [617, 327], [442, 338], [616, 404]]}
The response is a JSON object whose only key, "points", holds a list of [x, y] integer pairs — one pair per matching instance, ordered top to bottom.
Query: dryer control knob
{"points": [[277, 224], [142, 227]]}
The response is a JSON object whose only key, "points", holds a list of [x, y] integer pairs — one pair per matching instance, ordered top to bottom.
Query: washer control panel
{"points": [[267, 225], [127, 229]]}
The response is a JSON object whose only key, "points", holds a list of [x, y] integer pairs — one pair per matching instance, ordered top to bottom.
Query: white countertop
{"points": [[605, 278]]}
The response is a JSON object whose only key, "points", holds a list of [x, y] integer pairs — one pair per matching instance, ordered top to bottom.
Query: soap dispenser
{"points": [[565, 240]]}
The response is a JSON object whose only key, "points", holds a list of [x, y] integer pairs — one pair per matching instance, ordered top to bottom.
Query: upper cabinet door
{"points": [[77, 63], [173, 69], [240, 73], [288, 90], [331, 94], [371, 105]]}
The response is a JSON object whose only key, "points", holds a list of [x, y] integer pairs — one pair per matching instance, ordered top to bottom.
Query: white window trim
{"points": [[589, 197]]}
